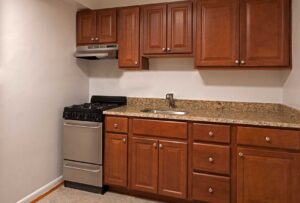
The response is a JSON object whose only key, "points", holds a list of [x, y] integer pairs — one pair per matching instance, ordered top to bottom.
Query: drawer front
{"points": [[116, 124], [168, 129], [211, 133], [272, 138], [211, 158], [210, 188]]}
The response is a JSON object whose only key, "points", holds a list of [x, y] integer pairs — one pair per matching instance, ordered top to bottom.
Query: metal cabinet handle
{"points": [[211, 134], [268, 139], [160, 146], [241, 154], [211, 160], [81, 169], [210, 190]]}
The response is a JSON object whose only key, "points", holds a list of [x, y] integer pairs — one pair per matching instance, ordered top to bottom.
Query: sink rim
{"points": [[163, 111]]}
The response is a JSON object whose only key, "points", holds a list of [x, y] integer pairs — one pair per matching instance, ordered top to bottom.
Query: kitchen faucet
{"points": [[170, 98]]}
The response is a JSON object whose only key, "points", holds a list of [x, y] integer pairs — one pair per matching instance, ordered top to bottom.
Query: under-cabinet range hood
{"points": [[98, 51]]}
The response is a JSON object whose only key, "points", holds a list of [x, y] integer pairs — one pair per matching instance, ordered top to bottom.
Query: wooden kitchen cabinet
{"points": [[86, 27], [97, 27], [168, 28], [265, 32], [217, 33], [243, 33], [129, 39], [115, 160], [144, 164], [172, 169], [267, 176]]}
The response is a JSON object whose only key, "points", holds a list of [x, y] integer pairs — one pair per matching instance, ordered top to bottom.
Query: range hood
{"points": [[98, 51]]}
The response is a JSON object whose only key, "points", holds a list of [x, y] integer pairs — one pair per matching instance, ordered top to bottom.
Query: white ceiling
{"points": [[99, 4]]}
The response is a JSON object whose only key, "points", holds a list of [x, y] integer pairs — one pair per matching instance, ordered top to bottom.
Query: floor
{"points": [[67, 195]]}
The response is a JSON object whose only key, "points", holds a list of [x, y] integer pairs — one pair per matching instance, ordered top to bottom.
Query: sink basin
{"points": [[158, 111]]}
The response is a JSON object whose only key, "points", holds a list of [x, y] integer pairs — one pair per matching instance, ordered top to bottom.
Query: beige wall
{"points": [[38, 77], [180, 77], [291, 94]]}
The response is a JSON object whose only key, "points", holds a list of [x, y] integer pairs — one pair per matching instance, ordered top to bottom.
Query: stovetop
{"points": [[93, 111]]}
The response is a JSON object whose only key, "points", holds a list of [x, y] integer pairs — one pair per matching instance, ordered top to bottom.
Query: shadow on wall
{"points": [[105, 69]]}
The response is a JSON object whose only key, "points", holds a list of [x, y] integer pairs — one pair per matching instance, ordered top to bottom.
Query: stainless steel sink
{"points": [[159, 111]]}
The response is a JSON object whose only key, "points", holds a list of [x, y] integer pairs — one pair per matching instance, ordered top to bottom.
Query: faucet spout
{"points": [[170, 98]]}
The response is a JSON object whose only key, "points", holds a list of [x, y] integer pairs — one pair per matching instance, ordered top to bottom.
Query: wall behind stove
{"points": [[38, 77], [180, 77]]}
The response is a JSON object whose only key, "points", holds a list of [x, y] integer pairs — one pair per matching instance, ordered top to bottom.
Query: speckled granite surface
{"points": [[259, 114]]}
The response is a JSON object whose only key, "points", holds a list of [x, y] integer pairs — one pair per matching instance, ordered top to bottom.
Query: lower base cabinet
{"points": [[159, 166], [267, 176]]}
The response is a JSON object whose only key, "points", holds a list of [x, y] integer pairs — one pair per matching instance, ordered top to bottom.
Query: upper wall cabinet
{"points": [[96, 27], [167, 28], [243, 33], [129, 39]]}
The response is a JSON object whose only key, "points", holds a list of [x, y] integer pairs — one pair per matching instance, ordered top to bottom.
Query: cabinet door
{"points": [[107, 26], [86, 27], [180, 27], [155, 29], [265, 32], [217, 33], [129, 35], [115, 161], [144, 164], [173, 169], [267, 176]]}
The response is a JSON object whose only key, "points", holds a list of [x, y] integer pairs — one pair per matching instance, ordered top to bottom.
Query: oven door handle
{"points": [[82, 126], [82, 169]]}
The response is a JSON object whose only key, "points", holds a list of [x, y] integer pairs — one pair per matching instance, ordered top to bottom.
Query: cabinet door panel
{"points": [[107, 26], [86, 27], [180, 27], [155, 29], [265, 32], [129, 33], [217, 37], [144, 164], [115, 167], [173, 169], [267, 176]]}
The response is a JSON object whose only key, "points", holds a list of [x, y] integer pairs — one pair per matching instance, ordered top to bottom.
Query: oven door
{"points": [[83, 141]]}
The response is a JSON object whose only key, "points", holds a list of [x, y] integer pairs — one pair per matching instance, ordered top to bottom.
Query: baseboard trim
{"points": [[42, 191]]}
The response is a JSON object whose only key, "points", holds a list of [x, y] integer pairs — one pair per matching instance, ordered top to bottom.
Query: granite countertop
{"points": [[258, 114]]}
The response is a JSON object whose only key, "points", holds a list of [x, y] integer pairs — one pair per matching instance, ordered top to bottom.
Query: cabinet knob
{"points": [[96, 38], [92, 39], [164, 49], [168, 49], [237, 61], [135, 62], [243, 62], [116, 125], [211, 134], [268, 139], [124, 140], [155, 145], [160, 146], [241, 154], [211, 160], [210, 190]]}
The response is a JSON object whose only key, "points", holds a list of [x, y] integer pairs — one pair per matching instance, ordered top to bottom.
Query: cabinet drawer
{"points": [[116, 124], [169, 129], [211, 133], [273, 138], [211, 158], [210, 188]]}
